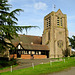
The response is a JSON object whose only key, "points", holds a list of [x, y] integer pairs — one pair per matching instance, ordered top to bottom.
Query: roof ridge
{"points": [[29, 35], [33, 44]]}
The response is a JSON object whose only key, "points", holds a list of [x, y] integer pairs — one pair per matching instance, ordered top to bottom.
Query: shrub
{"points": [[72, 56], [4, 58], [5, 62]]}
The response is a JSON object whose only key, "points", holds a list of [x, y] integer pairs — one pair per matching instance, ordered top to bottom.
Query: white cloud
{"points": [[40, 5]]}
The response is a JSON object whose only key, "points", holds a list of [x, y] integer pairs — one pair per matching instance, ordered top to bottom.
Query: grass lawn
{"points": [[44, 68]]}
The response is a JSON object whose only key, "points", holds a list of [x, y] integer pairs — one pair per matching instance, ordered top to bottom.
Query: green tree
{"points": [[8, 22], [72, 42]]}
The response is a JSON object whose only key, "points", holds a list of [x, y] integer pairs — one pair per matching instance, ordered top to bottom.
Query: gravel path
{"points": [[24, 63]]}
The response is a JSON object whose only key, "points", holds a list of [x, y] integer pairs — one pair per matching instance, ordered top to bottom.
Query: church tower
{"points": [[55, 33]]}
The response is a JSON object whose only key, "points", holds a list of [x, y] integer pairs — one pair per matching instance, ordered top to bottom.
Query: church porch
{"points": [[29, 54]]}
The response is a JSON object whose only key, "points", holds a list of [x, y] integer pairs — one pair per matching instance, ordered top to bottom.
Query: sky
{"points": [[35, 10]]}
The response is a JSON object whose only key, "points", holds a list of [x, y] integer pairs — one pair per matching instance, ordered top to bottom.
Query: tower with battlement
{"points": [[55, 33]]}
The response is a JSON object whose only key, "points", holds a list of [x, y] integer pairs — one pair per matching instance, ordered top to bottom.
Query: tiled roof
{"points": [[27, 39], [29, 42], [34, 47]]}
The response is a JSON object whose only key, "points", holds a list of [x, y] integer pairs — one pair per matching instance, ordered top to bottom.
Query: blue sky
{"points": [[35, 10]]}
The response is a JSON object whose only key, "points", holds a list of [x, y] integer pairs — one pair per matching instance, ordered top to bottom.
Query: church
{"points": [[52, 44]]}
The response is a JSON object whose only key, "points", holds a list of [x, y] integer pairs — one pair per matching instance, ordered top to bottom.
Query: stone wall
{"points": [[58, 41]]}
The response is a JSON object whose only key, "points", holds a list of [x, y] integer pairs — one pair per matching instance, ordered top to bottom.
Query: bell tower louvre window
{"points": [[59, 21], [48, 22]]}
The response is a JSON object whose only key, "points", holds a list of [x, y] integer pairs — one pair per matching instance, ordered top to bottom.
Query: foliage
{"points": [[8, 22], [72, 42], [66, 52], [72, 56], [4, 62], [44, 68]]}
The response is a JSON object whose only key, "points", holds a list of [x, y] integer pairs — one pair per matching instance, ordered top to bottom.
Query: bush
{"points": [[72, 56], [4, 58], [5, 63]]}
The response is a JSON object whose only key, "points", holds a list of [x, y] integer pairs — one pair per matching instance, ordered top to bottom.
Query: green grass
{"points": [[44, 68]]}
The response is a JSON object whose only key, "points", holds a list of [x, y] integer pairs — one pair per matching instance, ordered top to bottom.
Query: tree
{"points": [[8, 24], [72, 42]]}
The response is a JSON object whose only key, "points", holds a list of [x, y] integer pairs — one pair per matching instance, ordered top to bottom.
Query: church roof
{"points": [[27, 39], [29, 42], [34, 46]]}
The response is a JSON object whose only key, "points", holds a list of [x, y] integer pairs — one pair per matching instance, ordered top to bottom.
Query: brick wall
{"points": [[13, 55], [25, 56], [28, 56], [35, 56], [39, 56]]}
